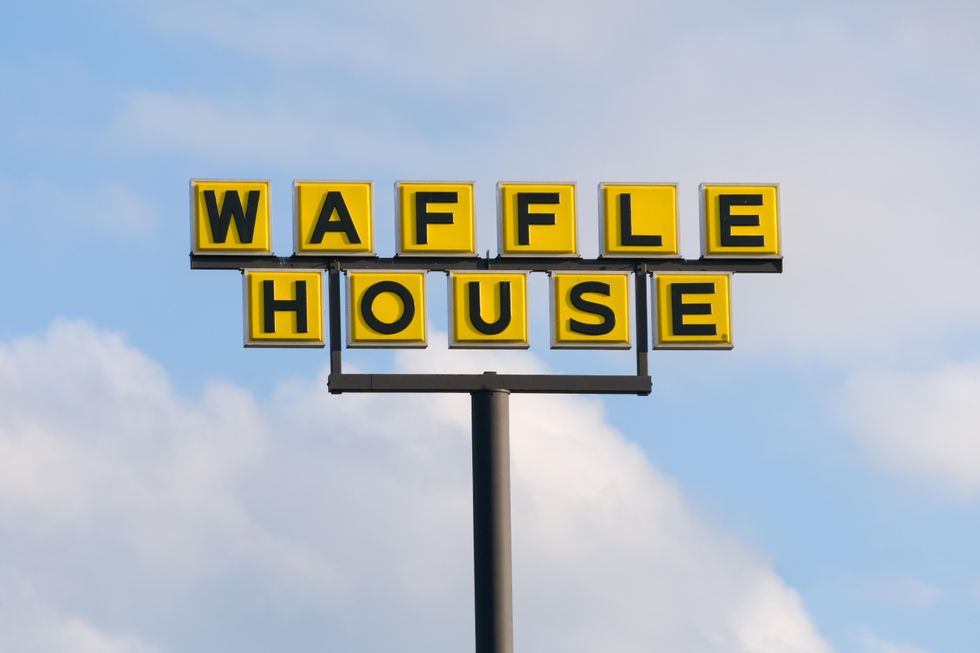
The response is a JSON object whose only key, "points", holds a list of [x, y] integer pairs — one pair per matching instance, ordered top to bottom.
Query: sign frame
{"points": [[500, 221], [703, 221], [398, 222], [297, 237], [228, 252], [635, 255], [552, 298], [251, 343], [424, 344], [489, 344], [656, 344]]}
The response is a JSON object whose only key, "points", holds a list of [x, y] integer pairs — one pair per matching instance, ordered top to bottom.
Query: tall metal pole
{"points": [[491, 521]]}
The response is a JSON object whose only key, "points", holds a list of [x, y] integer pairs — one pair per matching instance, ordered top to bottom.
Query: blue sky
{"points": [[815, 489]]}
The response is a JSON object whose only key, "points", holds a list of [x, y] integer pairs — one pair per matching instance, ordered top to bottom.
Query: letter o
{"points": [[367, 307]]}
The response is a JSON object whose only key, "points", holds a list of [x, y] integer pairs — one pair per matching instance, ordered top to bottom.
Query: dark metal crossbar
{"points": [[498, 263], [527, 383]]}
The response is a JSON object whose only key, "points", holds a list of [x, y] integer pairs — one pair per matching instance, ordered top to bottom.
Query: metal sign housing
{"points": [[230, 216], [333, 218], [537, 225], [488, 310]]}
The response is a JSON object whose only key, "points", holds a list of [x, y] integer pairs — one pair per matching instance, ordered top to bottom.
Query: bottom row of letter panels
{"points": [[487, 309]]}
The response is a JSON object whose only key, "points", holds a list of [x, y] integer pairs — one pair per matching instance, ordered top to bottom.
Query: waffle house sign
{"points": [[538, 225]]}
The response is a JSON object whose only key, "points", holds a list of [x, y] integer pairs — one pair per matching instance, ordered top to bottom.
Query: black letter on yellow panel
{"points": [[334, 202], [725, 204], [231, 209], [422, 216], [525, 218], [626, 225], [584, 305], [271, 306], [367, 307], [678, 309], [484, 327]]}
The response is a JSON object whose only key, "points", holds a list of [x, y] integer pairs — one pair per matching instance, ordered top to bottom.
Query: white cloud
{"points": [[923, 425], [344, 519], [29, 626]]}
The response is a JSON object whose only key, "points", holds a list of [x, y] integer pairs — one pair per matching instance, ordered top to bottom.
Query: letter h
{"points": [[271, 305]]}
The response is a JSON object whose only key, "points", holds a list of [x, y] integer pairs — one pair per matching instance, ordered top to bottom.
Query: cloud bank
{"points": [[924, 425], [139, 520]]}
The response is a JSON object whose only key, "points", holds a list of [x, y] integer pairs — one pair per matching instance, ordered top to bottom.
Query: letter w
{"points": [[231, 209]]}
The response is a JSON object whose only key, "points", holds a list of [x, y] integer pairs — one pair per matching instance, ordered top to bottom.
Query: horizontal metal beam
{"points": [[501, 263], [524, 383]]}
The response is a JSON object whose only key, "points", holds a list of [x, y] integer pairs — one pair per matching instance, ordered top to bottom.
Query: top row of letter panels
{"points": [[335, 218]]}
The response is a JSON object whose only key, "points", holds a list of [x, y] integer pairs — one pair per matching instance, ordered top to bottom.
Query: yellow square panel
{"points": [[230, 217], [332, 217], [435, 218], [537, 219], [638, 219], [740, 220], [283, 309], [386, 309], [488, 309], [590, 311], [692, 311]]}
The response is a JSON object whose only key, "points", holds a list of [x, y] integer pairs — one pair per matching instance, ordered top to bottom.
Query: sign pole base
{"points": [[491, 521]]}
